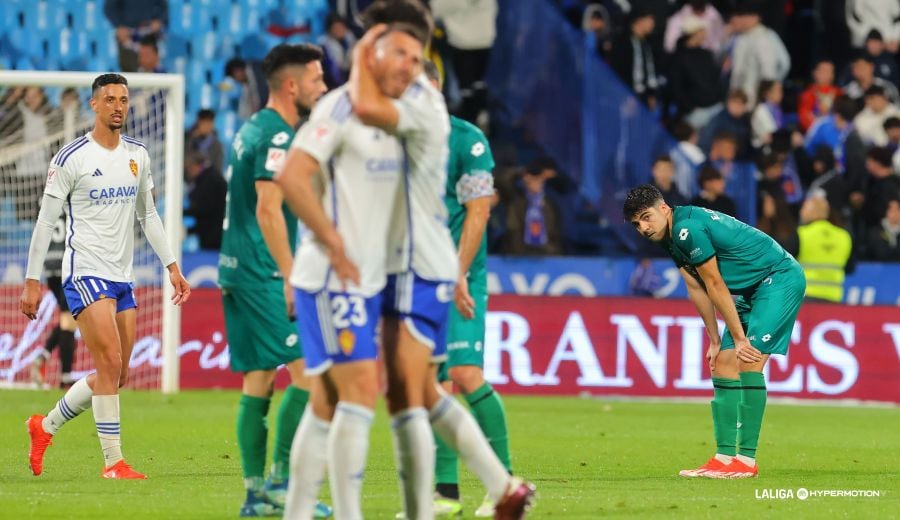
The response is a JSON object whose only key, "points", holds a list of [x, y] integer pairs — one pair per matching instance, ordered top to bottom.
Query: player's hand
{"points": [[365, 46], [344, 268], [181, 286], [31, 297], [289, 299], [465, 304], [712, 353], [746, 353]]}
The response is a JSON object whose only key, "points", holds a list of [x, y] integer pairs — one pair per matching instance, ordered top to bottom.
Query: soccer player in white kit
{"points": [[103, 180], [423, 267], [339, 275]]}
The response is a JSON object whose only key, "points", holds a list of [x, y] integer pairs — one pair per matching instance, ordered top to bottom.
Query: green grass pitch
{"points": [[589, 458]]}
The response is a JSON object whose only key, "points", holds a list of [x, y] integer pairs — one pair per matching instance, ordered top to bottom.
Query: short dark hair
{"points": [[409, 16], [332, 19], [874, 34], [149, 41], [284, 54], [863, 56], [233, 64], [431, 71], [107, 79], [765, 86], [875, 90], [738, 94], [844, 107], [205, 113], [892, 122], [682, 130], [725, 135], [825, 155], [882, 155], [662, 158], [767, 161], [538, 165], [708, 173], [640, 198]]}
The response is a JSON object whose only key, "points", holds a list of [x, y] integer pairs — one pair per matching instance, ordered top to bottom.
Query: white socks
{"points": [[76, 400], [106, 415], [458, 429], [348, 448], [414, 452], [724, 459], [750, 461], [308, 464]]}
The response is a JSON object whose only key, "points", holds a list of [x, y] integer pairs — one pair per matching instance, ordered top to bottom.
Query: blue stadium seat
{"points": [[9, 14], [42, 15], [88, 16], [190, 19], [71, 44], [104, 46], [173, 46], [255, 46], [203, 47], [226, 125]]}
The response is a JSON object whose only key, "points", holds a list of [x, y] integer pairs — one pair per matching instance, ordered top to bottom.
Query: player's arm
{"points": [[370, 105], [51, 209], [272, 225], [156, 237], [699, 297], [721, 297]]}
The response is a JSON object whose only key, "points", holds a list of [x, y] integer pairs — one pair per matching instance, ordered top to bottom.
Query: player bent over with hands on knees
{"points": [[103, 180], [755, 285]]}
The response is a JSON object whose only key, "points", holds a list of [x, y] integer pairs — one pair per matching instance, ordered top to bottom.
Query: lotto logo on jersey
{"points": [[275, 158], [133, 167]]}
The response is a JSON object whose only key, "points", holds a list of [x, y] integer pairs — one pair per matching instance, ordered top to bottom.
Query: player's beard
{"points": [[302, 109], [112, 125]]}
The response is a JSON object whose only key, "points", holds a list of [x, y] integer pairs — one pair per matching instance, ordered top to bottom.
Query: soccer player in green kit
{"points": [[470, 187], [259, 236], [755, 285]]}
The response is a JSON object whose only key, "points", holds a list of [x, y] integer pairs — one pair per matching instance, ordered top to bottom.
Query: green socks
{"points": [[725, 403], [487, 407], [750, 412], [289, 414], [252, 431], [446, 464]]}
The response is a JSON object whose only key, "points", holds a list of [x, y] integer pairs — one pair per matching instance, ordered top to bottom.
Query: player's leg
{"points": [[66, 347], [407, 362], [290, 412], [446, 462]]}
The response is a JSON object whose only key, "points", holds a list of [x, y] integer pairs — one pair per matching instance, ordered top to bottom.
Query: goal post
{"points": [[156, 117]]}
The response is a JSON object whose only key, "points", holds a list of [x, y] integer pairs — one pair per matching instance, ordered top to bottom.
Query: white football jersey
{"points": [[360, 168], [99, 187], [420, 239]]}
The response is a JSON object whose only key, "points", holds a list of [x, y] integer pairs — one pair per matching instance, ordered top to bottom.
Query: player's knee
{"points": [[109, 361], [467, 377], [361, 391]]}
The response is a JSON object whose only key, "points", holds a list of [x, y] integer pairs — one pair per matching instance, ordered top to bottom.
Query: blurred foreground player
{"points": [[719, 258]]}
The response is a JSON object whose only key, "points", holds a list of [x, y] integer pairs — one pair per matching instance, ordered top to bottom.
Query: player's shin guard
{"points": [[76, 400], [725, 403], [753, 405], [487, 407], [289, 413], [106, 415], [459, 430], [252, 433], [348, 448], [414, 453], [308, 464]]}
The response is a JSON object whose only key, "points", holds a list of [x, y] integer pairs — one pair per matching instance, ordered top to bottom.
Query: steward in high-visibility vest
{"points": [[824, 251]]}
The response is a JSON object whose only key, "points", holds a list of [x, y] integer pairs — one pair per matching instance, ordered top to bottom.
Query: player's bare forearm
{"points": [[370, 105], [295, 181], [478, 211], [273, 226], [705, 308]]}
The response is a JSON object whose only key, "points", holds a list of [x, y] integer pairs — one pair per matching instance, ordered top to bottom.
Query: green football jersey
{"points": [[258, 150], [469, 176], [745, 255]]}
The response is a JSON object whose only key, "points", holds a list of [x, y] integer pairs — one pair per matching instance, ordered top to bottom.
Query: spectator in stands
{"points": [[689, 14], [865, 15], [134, 20], [596, 21], [471, 29], [337, 43], [757, 53], [148, 55], [632, 57], [885, 64], [862, 71], [694, 76], [239, 90], [817, 99], [70, 108], [767, 116], [732, 119], [870, 122], [892, 130], [836, 132], [202, 140], [785, 146], [723, 153], [686, 156], [663, 172], [828, 183], [880, 187], [712, 192], [206, 201], [774, 214], [532, 217], [883, 241], [825, 252], [644, 280]]}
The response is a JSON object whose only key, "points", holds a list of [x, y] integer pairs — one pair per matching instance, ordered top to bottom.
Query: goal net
{"points": [[40, 112]]}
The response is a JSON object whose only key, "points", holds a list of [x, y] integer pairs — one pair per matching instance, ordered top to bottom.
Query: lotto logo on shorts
{"points": [[347, 340]]}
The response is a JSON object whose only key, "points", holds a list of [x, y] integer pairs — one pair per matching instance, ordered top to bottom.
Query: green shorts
{"points": [[768, 314], [260, 334], [465, 338]]}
